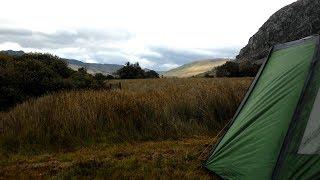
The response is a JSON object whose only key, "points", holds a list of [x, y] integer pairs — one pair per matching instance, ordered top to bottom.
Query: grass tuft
{"points": [[150, 109]]}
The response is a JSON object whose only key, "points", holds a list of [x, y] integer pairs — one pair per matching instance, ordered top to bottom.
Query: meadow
{"points": [[149, 127]]}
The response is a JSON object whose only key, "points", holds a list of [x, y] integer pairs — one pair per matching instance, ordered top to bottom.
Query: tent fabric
{"points": [[251, 147], [297, 165]]}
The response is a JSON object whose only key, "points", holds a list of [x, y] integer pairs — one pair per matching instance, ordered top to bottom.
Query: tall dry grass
{"points": [[150, 109]]}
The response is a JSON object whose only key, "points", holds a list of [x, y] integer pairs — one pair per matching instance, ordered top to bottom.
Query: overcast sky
{"points": [[159, 34]]}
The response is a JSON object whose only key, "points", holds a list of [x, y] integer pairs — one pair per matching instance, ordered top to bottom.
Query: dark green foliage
{"points": [[229, 69], [237, 69], [248, 69], [131, 71], [134, 71], [35, 74], [151, 74], [208, 75], [109, 76], [101, 77]]}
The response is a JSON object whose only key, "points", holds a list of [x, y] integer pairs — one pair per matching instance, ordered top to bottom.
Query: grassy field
{"points": [[149, 128], [170, 159]]}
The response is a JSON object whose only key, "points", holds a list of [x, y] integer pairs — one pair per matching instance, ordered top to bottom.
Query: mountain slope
{"points": [[292, 22], [12, 53], [94, 68], [194, 68]]}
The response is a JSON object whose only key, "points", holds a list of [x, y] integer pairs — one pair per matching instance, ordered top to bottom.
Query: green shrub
{"points": [[237, 69], [134, 71], [35, 74]]}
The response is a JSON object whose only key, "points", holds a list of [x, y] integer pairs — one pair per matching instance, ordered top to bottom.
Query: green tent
{"points": [[275, 133]]}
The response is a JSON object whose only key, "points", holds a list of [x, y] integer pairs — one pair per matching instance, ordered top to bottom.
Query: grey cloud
{"points": [[15, 32], [60, 39], [91, 44], [230, 52], [167, 56], [173, 56], [183, 56], [112, 58]]}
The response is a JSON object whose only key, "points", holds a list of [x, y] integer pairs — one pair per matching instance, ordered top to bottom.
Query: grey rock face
{"points": [[292, 22]]}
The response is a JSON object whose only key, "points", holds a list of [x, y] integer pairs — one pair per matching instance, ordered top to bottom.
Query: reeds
{"points": [[150, 109]]}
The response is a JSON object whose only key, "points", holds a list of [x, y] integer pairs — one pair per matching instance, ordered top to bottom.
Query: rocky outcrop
{"points": [[292, 22]]}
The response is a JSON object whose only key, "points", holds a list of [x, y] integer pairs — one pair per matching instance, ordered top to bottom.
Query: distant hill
{"points": [[292, 22], [12, 53], [92, 68], [194, 68]]}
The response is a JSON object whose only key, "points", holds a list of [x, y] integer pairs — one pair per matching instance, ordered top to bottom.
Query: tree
{"points": [[229, 69], [237, 69], [248, 69], [82, 70], [131, 71], [134, 71], [151, 74]]}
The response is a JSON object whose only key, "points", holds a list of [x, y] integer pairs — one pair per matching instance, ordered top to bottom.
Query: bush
{"points": [[229, 69], [237, 69], [248, 69], [131, 71], [134, 71], [35, 74], [151, 74]]}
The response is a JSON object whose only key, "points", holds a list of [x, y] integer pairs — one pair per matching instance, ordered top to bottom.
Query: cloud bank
{"points": [[112, 47]]}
